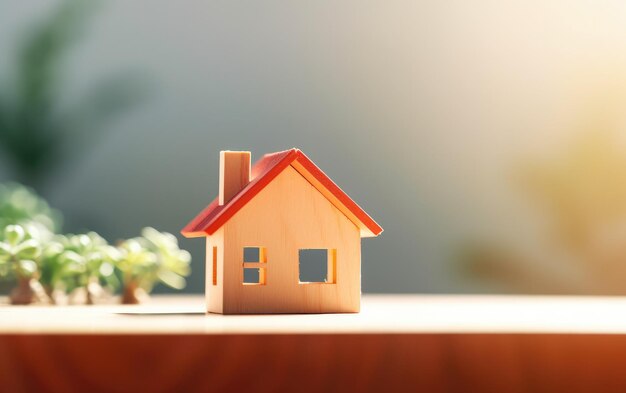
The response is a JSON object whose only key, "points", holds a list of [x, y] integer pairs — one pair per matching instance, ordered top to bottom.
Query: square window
{"points": [[252, 254], [317, 265], [251, 275], [254, 276]]}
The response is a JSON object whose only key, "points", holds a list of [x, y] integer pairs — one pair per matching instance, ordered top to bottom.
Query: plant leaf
{"points": [[14, 234], [28, 249], [26, 268], [171, 279]]}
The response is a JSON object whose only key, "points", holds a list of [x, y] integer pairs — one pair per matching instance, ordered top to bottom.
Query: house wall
{"points": [[288, 215], [213, 292]]}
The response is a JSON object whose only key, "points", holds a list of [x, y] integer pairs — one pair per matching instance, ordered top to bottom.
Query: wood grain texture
{"points": [[306, 167], [234, 174], [290, 214], [401, 314], [396, 344], [430, 363]]}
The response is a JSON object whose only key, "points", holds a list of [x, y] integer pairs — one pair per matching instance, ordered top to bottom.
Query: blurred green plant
{"points": [[36, 132], [580, 196], [20, 205], [18, 258], [151, 258], [84, 261], [49, 267], [56, 269]]}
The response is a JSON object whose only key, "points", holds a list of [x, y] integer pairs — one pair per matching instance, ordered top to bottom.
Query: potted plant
{"points": [[19, 253], [151, 258], [87, 265], [59, 271]]}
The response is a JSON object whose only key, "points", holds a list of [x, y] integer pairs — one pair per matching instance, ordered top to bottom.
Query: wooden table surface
{"points": [[400, 314], [397, 343]]}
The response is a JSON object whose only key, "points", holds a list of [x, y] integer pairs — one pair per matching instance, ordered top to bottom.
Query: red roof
{"points": [[263, 172]]}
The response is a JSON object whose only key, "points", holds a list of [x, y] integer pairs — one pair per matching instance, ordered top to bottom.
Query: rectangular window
{"points": [[214, 265], [254, 265], [317, 265]]}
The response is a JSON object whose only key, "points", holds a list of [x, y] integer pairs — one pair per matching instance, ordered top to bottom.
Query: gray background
{"points": [[416, 109]]}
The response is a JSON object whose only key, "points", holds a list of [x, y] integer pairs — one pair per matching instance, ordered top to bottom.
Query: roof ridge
{"points": [[264, 171]]}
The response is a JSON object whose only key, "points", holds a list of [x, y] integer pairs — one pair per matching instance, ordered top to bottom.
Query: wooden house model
{"points": [[281, 237]]}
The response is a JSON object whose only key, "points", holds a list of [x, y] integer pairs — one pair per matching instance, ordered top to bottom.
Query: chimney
{"points": [[234, 173]]}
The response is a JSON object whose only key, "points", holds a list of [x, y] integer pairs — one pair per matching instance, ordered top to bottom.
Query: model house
{"points": [[281, 237]]}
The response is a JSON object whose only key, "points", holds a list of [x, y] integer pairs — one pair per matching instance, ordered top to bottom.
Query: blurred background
{"points": [[486, 137]]}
